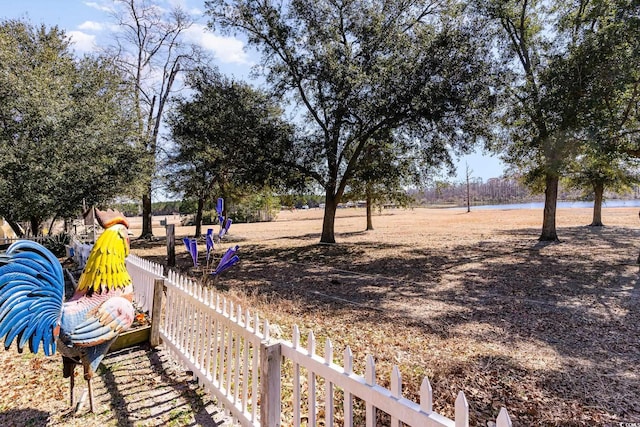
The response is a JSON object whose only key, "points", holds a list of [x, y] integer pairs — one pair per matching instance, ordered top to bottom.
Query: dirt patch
{"points": [[472, 300], [134, 387]]}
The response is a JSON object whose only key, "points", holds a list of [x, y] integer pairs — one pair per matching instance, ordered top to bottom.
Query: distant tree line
{"points": [[493, 191], [505, 191]]}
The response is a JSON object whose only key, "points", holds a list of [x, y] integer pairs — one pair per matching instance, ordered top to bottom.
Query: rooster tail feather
{"points": [[47, 259], [31, 294]]}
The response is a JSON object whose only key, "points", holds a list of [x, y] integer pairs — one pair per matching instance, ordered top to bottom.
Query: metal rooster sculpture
{"points": [[82, 328]]}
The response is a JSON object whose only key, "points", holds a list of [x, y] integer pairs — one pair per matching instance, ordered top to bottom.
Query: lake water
{"points": [[540, 205]]}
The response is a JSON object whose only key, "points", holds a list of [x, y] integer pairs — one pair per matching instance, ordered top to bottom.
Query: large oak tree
{"points": [[356, 69], [570, 73], [65, 128], [227, 135]]}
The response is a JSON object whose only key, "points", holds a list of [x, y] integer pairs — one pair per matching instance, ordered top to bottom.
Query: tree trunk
{"points": [[598, 190], [468, 191], [369, 212], [198, 219], [328, 223], [51, 225], [35, 226], [15, 227], [147, 231], [549, 233]]}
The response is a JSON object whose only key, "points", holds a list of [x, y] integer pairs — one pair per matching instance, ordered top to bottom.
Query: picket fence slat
{"points": [[216, 340], [222, 345], [207, 353], [229, 360], [222, 365], [238, 367], [245, 367], [254, 374], [296, 380], [370, 380], [311, 382], [396, 391], [426, 396], [348, 397], [328, 405], [462, 411], [503, 419]]}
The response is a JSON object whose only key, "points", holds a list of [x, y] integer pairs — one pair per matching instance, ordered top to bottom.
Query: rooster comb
{"points": [[110, 217]]}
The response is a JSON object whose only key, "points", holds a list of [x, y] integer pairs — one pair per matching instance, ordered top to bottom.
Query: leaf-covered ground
{"points": [[471, 300]]}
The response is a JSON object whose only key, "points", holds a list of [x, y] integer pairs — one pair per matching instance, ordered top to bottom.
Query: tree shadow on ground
{"points": [[578, 298], [581, 303], [136, 403], [24, 418]]}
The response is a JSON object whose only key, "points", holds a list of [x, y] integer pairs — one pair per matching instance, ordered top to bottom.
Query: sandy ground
{"points": [[471, 300]]}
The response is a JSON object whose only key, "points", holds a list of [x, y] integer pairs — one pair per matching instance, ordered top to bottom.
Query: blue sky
{"points": [[88, 23]]}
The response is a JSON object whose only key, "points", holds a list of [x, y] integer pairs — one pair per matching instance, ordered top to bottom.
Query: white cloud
{"points": [[178, 3], [183, 4], [99, 6], [91, 26], [82, 42], [227, 50]]}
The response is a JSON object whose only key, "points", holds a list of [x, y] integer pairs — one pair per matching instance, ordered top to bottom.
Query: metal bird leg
{"points": [[68, 370], [87, 376], [72, 383], [91, 407]]}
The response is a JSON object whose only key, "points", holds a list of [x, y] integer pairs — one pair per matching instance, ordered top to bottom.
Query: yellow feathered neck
{"points": [[106, 269]]}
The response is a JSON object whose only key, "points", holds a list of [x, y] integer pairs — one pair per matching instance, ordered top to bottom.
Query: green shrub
{"points": [[56, 244]]}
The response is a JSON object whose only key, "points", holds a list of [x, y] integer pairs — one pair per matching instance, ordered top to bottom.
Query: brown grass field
{"points": [[471, 300]]}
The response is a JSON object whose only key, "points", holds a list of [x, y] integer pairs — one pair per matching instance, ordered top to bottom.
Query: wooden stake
{"points": [[171, 245], [156, 312]]}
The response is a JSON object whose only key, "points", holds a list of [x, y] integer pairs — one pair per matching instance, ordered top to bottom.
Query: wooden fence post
{"points": [[171, 245], [156, 312], [270, 369]]}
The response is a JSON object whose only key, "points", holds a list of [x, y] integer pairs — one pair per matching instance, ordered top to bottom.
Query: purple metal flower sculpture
{"points": [[219, 210], [225, 228], [209, 241], [192, 248], [229, 258], [227, 261]]}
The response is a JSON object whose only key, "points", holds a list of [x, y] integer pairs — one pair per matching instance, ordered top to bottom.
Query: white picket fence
{"points": [[9, 240], [143, 274], [231, 353]]}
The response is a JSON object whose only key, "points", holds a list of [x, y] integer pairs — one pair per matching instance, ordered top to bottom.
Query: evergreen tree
{"points": [[357, 68], [570, 73], [65, 130], [227, 136]]}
